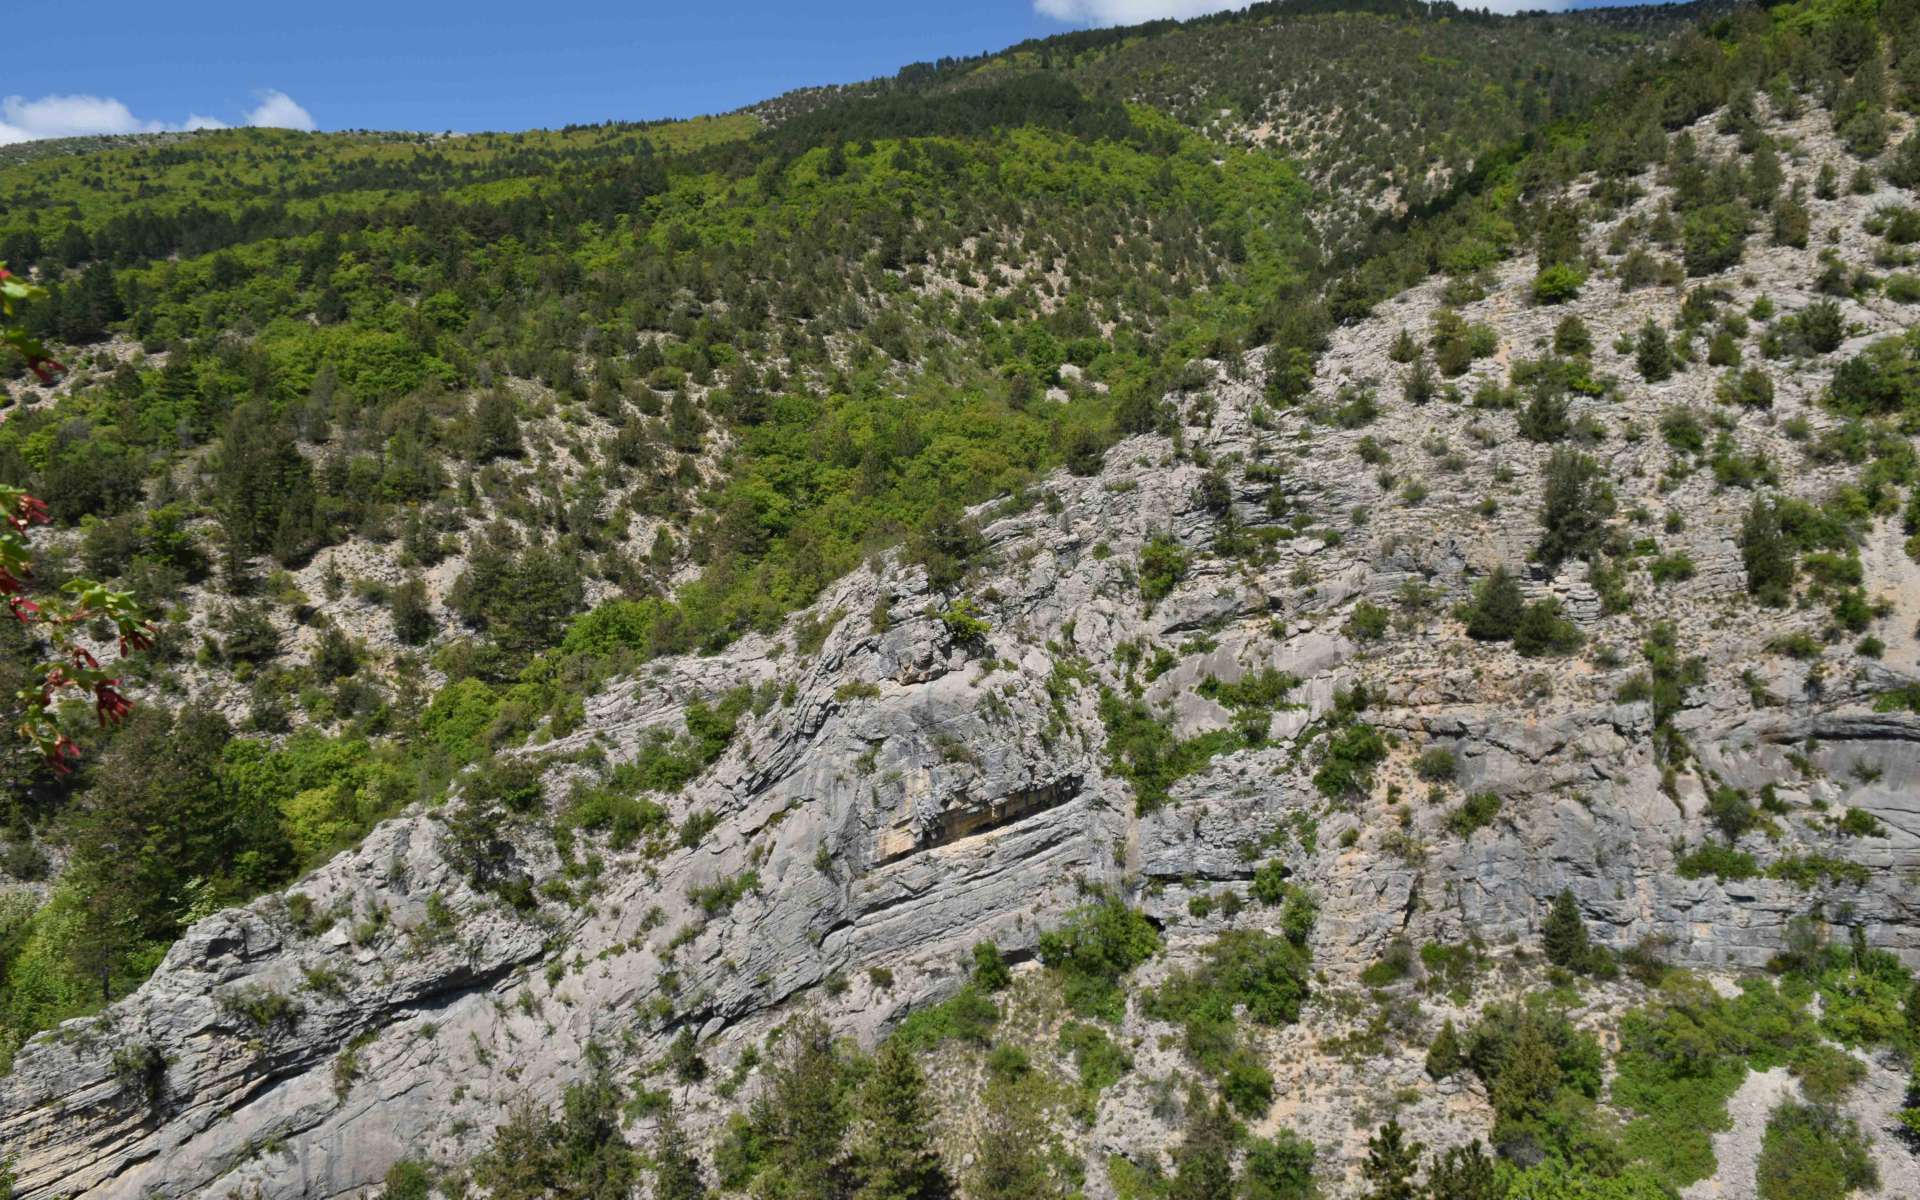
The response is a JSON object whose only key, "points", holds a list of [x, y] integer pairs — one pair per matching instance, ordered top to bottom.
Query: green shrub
{"points": [[1558, 284], [1163, 564], [1496, 608], [1368, 622], [1543, 631], [1353, 749], [1475, 813], [1720, 861], [1096, 945], [968, 1016], [1099, 1061], [1813, 1153]]}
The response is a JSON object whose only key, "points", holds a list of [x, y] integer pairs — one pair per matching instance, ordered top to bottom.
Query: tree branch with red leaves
{"points": [[63, 618]]}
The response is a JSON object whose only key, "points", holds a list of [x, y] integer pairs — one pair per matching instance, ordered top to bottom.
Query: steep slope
{"points": [[372, 417], [1538, 670], [905, 785]]}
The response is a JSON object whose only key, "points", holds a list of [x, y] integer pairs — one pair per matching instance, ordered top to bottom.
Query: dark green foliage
{"points": [[1713, 238], [1572, 338], [1653, 354], [1883, 379], [1545, 419], [495, 432], [1576, 503], [945, 545], [1766, 554], [1163, 564], [522, 599], [1496, 608], [412, 614], [1368, 623], [1542, 631], [1142, 748], [1353, 748], [1475, 813], [1720, 861], [1563, 938], [1097, 945], [990, 972], [1266, 976], [1445, 1055], [1098, 1059], [1540, 1073], [799, 1121], [1813, 1153], [894, 1154], [579, 1155], [1202, 1162], [1392, 1162], [1278, 1168], [677, 1173], [1465, 1173]]}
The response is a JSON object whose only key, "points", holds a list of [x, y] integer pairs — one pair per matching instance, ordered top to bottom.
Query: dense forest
{"points": [[412, 447]]}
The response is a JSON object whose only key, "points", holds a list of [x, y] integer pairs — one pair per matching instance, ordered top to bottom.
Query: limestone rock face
{"points": [[900, 793]]}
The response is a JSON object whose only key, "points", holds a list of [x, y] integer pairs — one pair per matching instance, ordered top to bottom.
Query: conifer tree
{"points": [[1497, 605], [1564, 937], [1444, 1056], [803, 1118], [894, 1156], [1392, 1162], [1203, 1168], [1464, 1173], [677, 1174]]}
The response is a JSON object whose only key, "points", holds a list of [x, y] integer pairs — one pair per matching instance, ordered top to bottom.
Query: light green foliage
{"points": [[1163, 564], [1142, 749], [1093, 949], [1264, 976], [969, 1015], [1682, 1057], [1098, 1059]]}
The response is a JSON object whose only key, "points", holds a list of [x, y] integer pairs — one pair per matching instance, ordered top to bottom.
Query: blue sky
{"points": [[433, 65]]}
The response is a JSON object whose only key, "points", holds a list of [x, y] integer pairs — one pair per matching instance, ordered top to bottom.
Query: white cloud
{"points": [[277, 110], [54, 116], [24, 120]]}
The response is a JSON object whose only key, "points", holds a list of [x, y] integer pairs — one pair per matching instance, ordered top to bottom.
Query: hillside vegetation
{"points": [[1355, 567]]}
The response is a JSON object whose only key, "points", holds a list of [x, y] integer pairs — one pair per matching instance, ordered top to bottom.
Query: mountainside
{"points": [[1260, 604]]}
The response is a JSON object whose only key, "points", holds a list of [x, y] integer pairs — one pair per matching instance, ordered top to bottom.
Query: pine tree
{"points": [[1653, 354], [496, 427], [1576, 501], [1766, 554], [1497, 605], [1564, 937], [1444, 1056], [1528, 1080], [802, 1116], [894, 1156], [1008, 1160], [1392, 1162], [1203, 1169], [676, 1172], [1465, 1173]]}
